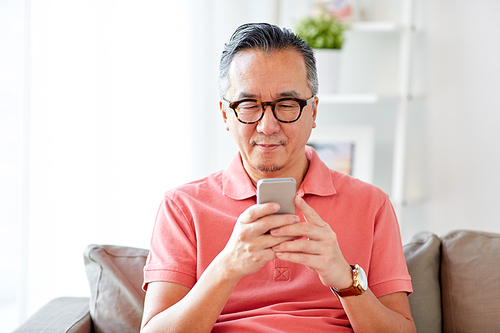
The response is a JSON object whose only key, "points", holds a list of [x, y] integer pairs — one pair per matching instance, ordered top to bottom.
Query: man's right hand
{"points": [[249, 247]]}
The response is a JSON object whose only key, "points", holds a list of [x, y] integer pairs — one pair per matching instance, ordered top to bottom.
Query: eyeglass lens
{"points": [[250, 111]]}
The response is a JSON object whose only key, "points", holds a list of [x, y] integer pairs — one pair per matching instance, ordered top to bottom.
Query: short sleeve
{"points": [[172, 256], [388, 270]]}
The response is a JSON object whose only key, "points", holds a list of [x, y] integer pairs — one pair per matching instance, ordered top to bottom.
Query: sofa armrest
{"points": [[65, 314]]}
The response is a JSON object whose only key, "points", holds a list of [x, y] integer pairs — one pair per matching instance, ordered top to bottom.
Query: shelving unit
{"points": [[375, 83], [401, 98]]}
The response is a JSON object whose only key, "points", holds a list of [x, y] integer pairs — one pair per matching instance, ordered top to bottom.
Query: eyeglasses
{"points": [[285, 110]]}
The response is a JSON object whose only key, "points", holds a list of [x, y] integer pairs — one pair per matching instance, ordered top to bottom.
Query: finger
{"points": [[256, 212], [309, 214], [270, 222], [299, 230], [271, 242], [299, 246], [305, 252], [298, 258]]}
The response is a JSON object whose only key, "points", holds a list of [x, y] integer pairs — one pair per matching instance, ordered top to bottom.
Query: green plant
{"points": [[322, 31]]}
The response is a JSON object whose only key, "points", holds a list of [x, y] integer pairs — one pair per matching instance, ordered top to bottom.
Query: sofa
{"points": [[456, 282]]}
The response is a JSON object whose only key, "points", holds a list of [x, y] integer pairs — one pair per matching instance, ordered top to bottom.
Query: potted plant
{"points": [[325, 34]]}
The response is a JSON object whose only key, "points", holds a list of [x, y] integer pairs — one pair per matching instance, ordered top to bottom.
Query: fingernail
{"points": [[296, 219]]}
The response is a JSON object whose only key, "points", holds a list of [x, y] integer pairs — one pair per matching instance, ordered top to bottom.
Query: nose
{"points": [[268, 124]]}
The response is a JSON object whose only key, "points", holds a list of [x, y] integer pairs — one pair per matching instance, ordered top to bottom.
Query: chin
{"points": [[267, 163], [269, 168]]}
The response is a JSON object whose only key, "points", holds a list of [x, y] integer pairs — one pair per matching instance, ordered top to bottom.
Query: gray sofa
{"points": [[456, 281]]}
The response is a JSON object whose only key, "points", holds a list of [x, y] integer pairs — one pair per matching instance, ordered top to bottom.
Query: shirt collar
{"points": [[235, 181], [318, 181]]}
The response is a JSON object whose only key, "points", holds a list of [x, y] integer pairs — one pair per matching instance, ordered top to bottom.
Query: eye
{"points": [[287, 105], [248, 107]]}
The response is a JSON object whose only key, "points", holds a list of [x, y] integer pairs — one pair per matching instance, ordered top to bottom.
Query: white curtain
{"points": [[110, 128]]}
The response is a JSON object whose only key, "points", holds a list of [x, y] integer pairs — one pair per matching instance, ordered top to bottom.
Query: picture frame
{"points": [[348, 149]]}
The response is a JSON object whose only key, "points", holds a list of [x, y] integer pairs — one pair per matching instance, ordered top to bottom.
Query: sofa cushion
{"points": [[423, 259], [115, 275], [470, 276], [64, 314]]}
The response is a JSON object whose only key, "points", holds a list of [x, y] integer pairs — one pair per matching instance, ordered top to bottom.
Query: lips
{"points": [[267, 146]]}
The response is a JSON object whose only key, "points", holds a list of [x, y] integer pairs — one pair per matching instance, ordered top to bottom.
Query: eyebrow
{"points": [[290, 93]]}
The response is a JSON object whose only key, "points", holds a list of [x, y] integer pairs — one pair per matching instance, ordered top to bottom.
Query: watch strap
{"points": [[354, 290]]}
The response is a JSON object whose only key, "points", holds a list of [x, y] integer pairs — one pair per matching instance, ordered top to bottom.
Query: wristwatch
{"points": [[359, 284]]}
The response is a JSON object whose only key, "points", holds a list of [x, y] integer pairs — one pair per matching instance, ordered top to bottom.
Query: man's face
{"points": [[270, 148]]}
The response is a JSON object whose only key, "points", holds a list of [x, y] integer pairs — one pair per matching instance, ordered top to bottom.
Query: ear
{"points": [[315, 111], [224, 115]]}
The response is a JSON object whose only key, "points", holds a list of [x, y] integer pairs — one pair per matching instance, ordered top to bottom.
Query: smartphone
{"points": [[279, 190]]}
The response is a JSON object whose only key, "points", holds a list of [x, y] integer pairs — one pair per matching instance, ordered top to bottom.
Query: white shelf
{"points": [[376, 26], [367, 98]]}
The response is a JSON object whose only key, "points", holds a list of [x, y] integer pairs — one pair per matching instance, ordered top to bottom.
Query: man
{"points": [[215, 267]]}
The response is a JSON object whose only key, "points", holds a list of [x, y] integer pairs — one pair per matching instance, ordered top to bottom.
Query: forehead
{"points": [[256, 72]]}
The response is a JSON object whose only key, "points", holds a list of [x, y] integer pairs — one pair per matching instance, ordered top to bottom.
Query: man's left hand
{"points": [[317, 248]]}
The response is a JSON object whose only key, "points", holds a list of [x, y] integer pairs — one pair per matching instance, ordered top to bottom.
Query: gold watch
{"points": [[359, 284]]}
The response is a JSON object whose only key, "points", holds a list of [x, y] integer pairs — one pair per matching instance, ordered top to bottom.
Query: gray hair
{"points": [[265, 37]]}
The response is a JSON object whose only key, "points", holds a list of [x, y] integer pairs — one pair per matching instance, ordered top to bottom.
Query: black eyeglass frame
{"points": [[234, 105]]}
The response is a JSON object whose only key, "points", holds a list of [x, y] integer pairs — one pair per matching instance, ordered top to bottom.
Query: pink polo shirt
{"points": [[195, 221]]}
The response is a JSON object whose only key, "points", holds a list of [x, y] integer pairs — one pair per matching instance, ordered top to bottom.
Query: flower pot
{"points": [[328, 66]]}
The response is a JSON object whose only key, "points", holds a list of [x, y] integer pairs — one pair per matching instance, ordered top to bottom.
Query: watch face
{"points": [[363, 281]]}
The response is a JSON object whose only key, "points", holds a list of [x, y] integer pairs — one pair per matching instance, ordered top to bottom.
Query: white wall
{"points": [[12, 144], [455, 158]]}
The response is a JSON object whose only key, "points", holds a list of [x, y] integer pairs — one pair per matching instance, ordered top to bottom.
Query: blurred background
{"points": [[105, 105]]}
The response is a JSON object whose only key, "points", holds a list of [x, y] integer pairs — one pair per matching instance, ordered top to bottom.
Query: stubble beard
{"points": [[269, 167]]}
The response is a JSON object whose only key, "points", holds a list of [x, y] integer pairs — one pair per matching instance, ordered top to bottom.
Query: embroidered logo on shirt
{"points": [[281, 270], [281, 274]]}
